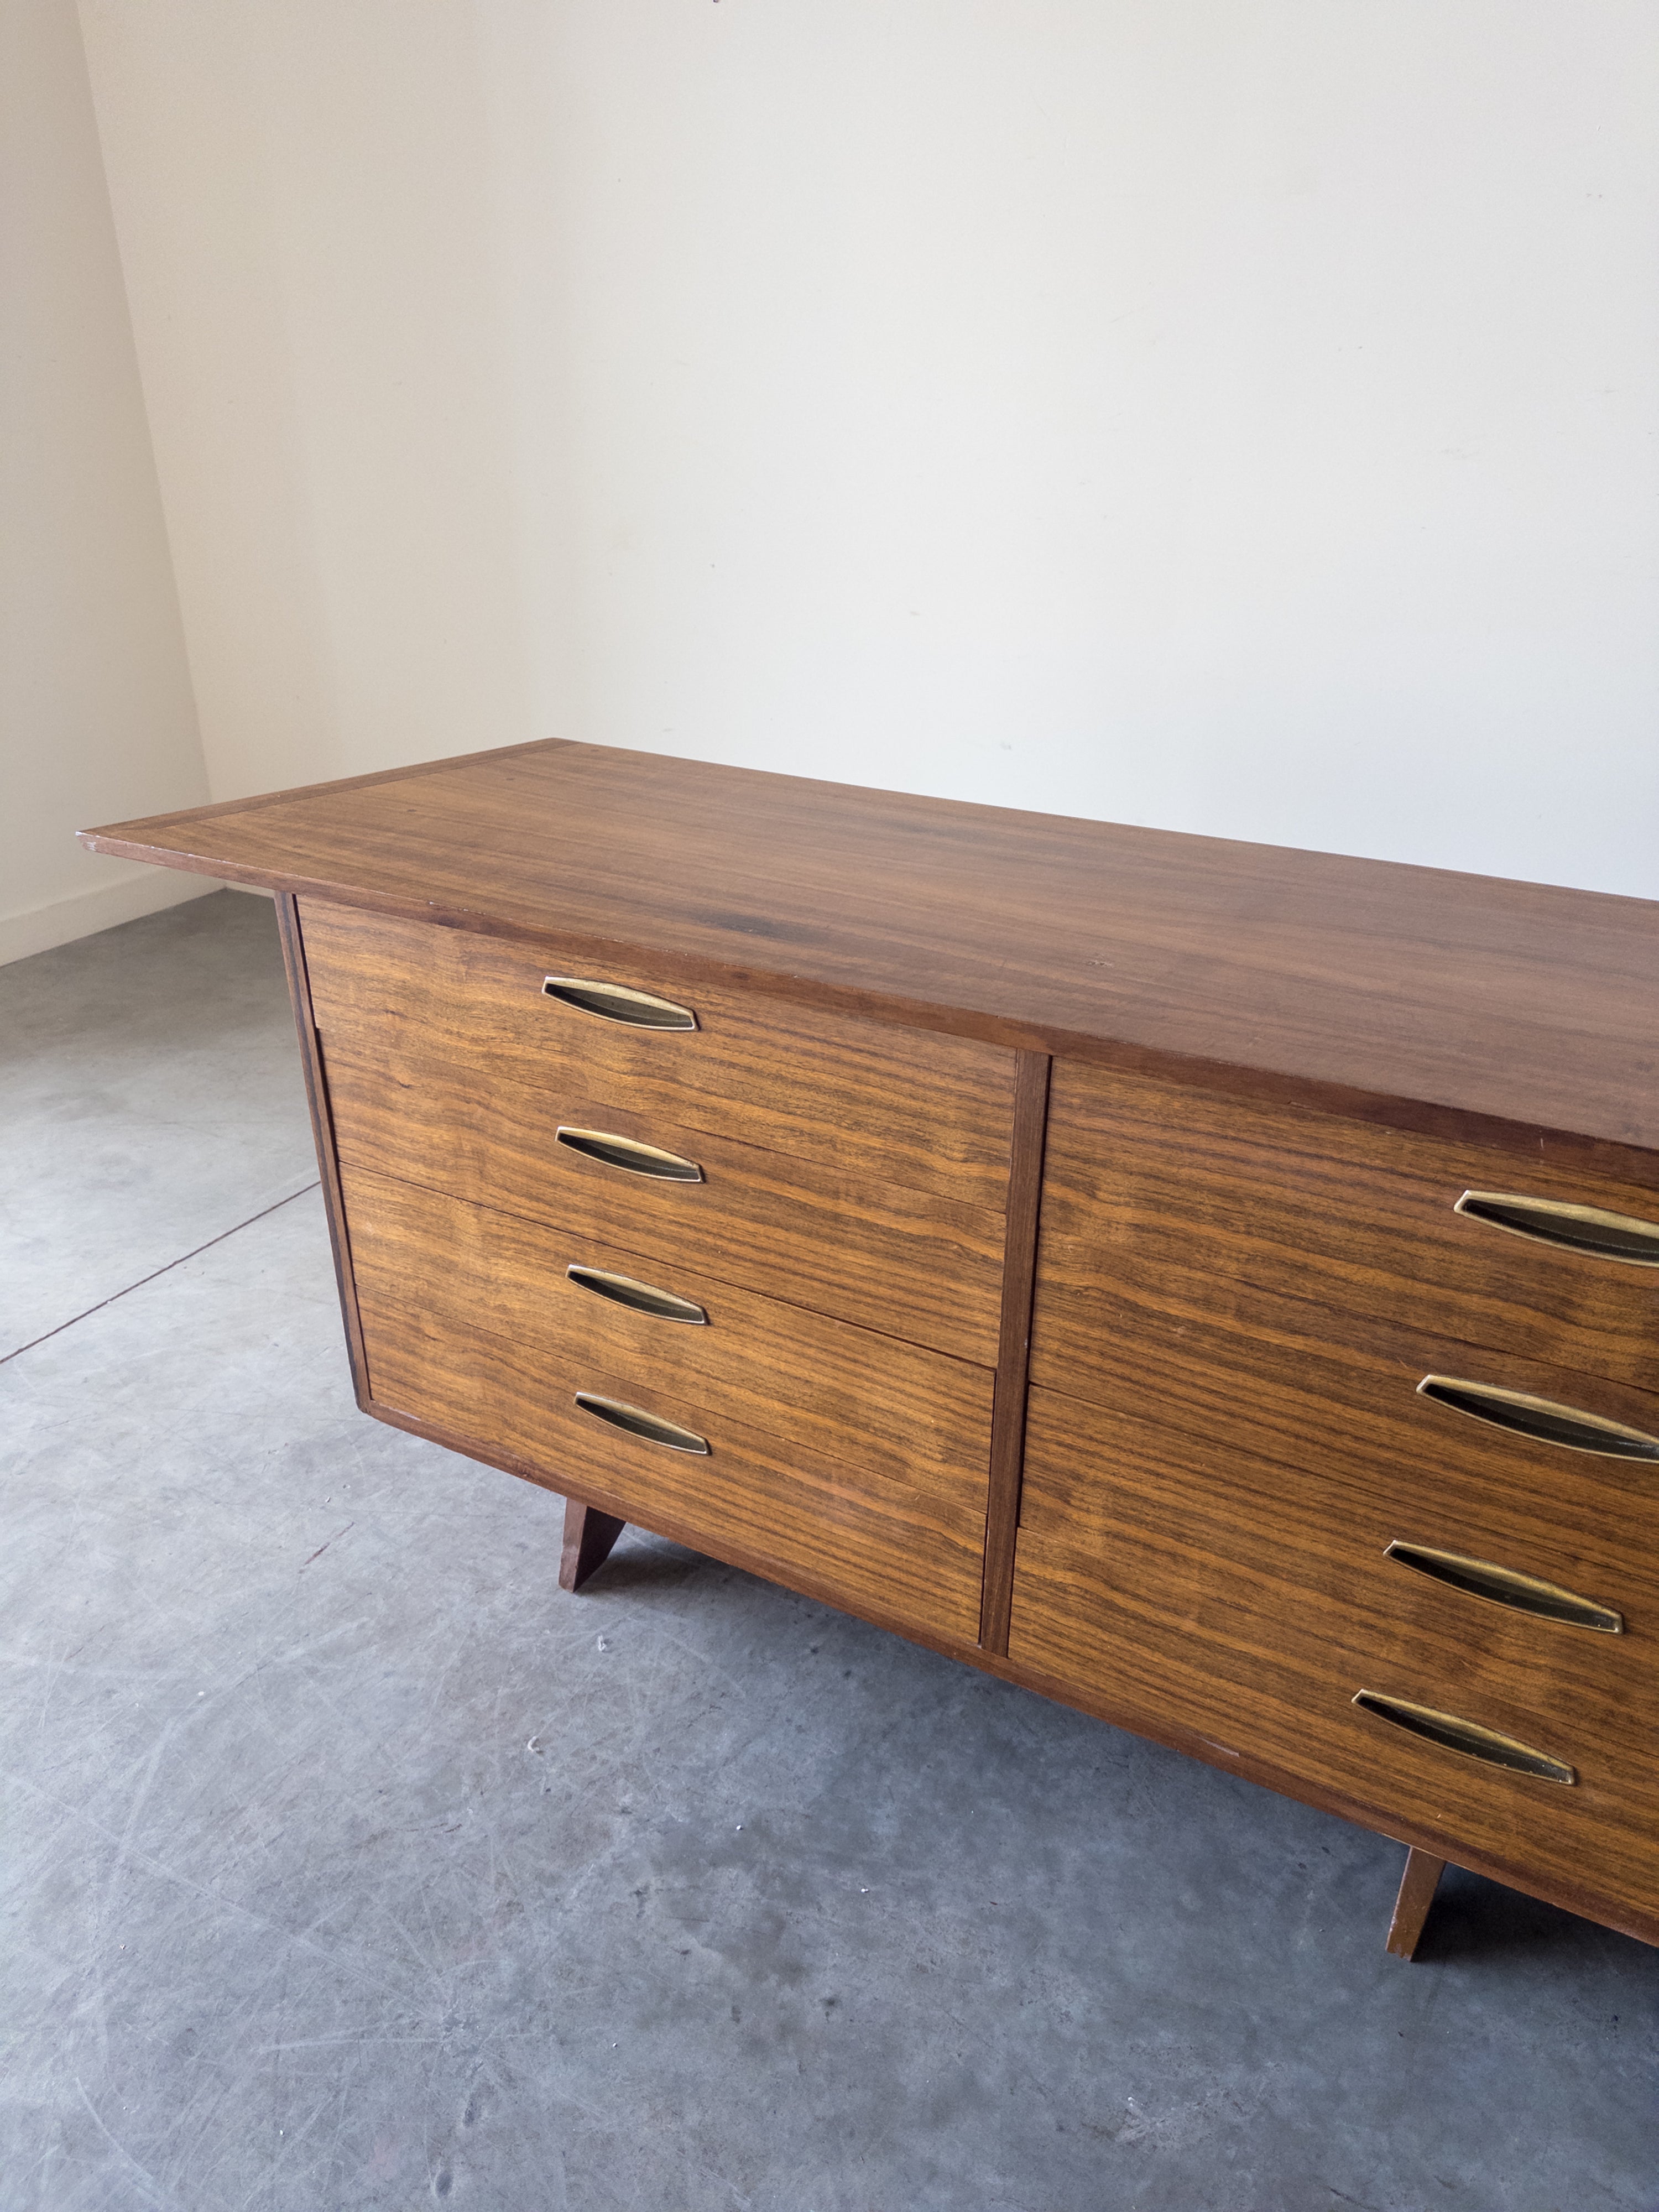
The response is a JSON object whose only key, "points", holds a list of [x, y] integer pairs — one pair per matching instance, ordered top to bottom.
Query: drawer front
{"points": [[901, 1106], [1188, 1194], [880, 1255], [803, 1379], [1337, 1397], [840, 1505], [1248, 1603]]}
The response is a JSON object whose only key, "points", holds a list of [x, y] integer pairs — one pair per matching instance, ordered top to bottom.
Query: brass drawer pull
{"points": [[615, 1002], [623, 1152], [1575, 1228], [638, 1298], [1540, 1419], [635, 1421], [1480, 1578], [1467, 1737]]}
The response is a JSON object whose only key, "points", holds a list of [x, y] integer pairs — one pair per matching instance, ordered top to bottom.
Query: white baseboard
{"points": [[102, 906]]}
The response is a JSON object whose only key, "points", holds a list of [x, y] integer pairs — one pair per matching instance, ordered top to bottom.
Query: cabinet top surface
{"points": [[1312, 974]]}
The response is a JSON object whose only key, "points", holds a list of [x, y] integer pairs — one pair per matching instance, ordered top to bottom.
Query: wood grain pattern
{"points": [[1396, 991], [933, 1113], [322, 1134], [1186, 1194], [876, 1254], [1013, 1356], [798, 1376], [1335, 1397], [1293, 1548], [908, 1550], [1250, 1603], [1418, 1885]]}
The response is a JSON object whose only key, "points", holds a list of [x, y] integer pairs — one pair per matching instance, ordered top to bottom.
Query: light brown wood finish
{"points": [[1406, 994], [863, 1098], [1188, 1195], [877, 1254], [801, 1377], [1335, 1397], [1008, 1427], [589, 1536], [1291, 1546], [909, 1548], [1250, 1604], [1410, 1908]]}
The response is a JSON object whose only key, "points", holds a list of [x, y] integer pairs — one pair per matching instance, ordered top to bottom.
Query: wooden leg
{"points": [[588, 1536], [1410, 1908]]}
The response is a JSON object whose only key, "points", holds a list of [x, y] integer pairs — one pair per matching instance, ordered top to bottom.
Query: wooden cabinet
{"points": [[1214, 1285]]}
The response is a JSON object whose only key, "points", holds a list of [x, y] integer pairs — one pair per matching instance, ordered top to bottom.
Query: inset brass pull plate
{"points": [[615, 1002], [612, 1151], [1575, 1228], [638, 1298], [1540, 1419], [635, 1421], [1502, 1586], [1467, 1736]]}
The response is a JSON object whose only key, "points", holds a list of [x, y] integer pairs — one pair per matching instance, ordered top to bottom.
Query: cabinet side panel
{"points": [[322, 1129]]}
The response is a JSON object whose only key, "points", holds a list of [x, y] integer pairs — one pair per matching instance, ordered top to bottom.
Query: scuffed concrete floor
{"points": [[348, 1865]]}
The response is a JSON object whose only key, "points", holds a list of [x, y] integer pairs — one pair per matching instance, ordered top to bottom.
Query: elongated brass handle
{"points": [[615, 1002], [612, 1151], [1574, 1228], [638, 1298], [1540, 1419], [635, 1421], [1524, 1593], [1467, 1737]]}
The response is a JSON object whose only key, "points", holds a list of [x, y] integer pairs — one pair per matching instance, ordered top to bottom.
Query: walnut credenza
{"points": [[1214, 1285]]}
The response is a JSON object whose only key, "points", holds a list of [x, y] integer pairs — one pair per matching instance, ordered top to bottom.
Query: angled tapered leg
{"points": [[588, 1536], [1410, 1908]]}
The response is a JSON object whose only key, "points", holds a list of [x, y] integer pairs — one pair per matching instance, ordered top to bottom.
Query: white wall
{"points": [[1233, 415], [97, 722]]}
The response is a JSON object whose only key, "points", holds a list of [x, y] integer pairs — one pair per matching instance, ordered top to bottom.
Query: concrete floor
{"points": [[348, 1865]]}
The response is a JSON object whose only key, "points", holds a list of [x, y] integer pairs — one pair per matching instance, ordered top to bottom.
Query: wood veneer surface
{"points": [[1404, 991], [933, 1113], [1186, 1196], [877, 1254], [803, 1379], [1335, 1396], [909, 1551], [1229, 1595]]}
